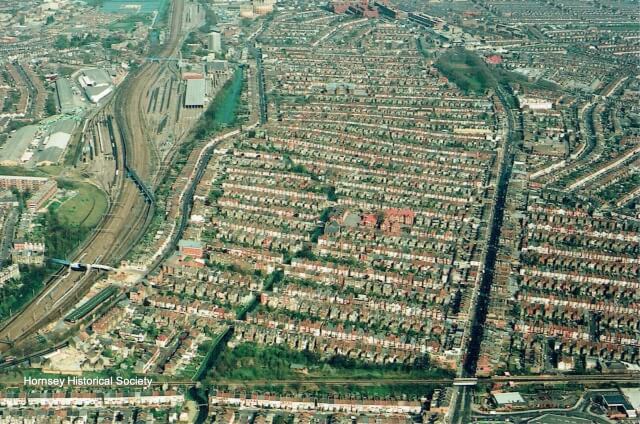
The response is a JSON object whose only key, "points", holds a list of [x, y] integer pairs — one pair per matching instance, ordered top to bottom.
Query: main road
{"points": [[128, 213], [462, 398]]}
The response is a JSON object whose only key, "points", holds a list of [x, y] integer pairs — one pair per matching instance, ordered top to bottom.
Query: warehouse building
{"points": [[96, 84], [196, 90], [65, 95], [58, 136], [16, 150], [507, 399], [617, 406]]}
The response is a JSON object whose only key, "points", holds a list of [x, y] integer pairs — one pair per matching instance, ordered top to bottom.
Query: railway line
{"points": [[129, 212], [307, 381]]}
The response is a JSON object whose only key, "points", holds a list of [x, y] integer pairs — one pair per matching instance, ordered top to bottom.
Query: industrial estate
{"points": [[312, 211]]}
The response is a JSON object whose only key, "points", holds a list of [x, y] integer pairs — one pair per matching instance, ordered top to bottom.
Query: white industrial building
{"points": [[96, 83], [196, 91]]}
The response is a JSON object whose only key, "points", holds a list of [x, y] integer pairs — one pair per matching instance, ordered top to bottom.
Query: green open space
{"points": [[145, 6], [129, 23], [467, 70], [471, 74], [226, 103], [222, 111], [20, 171], [41, 171], [86, 208], [66, 225], [14, 294], [212, 350], [248, 361]]}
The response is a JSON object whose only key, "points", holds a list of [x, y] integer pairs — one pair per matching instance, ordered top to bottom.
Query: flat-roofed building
{"points": [[215, 42], [97, 84], [196, 90], [95, 94], [65, 95], [55, 142], [17, 148], [22, 183], [42, 196], [191, 248], [9, 273], [507, 398], [617, 405]]}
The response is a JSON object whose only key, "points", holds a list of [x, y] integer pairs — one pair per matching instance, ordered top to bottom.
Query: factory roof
{"points": [[217, 65], [97, 77], [195, 92], [95, 94], [65, 95], [63, 125], [58, 139], [17, 144], [49, 155], [190, 243], [507, 398], [616, 399]]}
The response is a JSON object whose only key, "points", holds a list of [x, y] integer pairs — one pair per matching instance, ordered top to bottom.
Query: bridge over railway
{"points": [[130, 172], [146, 193], [129, 213], [79, 266]]}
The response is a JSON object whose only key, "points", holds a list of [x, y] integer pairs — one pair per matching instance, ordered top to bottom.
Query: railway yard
{"points": [[126, 140]]}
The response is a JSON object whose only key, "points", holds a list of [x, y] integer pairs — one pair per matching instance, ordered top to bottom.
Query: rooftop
{"points": [[195, 92], [508, 398]]}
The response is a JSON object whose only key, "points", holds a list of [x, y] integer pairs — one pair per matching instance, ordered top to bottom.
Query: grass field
{"points": [[129, 23], [467, 70], [471, 74], [221, 112], [19, 170], [85, 208], [248, 361]]}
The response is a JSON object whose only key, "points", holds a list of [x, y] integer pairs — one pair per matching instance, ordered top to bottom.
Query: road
{"points": [[186, 198], [128, 214], [462, 398], [579, 410]]}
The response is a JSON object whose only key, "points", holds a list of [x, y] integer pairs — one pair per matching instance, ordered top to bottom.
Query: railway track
{"points": [[128, 215], [306, 381]]}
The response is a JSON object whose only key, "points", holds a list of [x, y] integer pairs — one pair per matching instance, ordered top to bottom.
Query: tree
{"points": [[50, 20], [61, 42], [50, 104], [331, 194], [421, 362]]}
